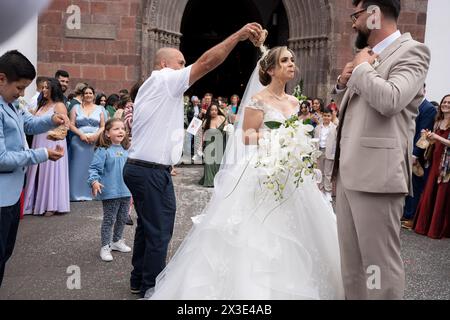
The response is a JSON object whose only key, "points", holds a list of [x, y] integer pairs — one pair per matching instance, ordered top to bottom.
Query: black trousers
{"points": [[155, 204], [9, 223]]}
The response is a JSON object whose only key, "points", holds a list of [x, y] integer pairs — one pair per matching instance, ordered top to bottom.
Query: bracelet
{"points": [[339, 85]]}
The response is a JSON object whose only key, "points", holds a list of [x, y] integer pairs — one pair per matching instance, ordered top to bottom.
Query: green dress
{"points": [[213, 153]]}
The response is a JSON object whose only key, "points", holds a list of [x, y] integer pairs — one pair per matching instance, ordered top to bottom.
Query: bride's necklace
{"points": [[276, 96]]}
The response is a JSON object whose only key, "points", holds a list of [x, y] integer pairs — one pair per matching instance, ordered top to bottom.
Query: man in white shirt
{"points": [[381, 90], [32, 106], [158, 132]]}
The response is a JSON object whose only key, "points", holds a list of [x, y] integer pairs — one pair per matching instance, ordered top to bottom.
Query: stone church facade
{"points": [[117, 40]]}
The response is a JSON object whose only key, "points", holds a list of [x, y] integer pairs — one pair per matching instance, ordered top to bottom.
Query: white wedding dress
{"points": [[247, 246]]}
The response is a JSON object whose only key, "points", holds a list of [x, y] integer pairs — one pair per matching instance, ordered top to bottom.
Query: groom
{"points": [[380, 92], [158, 130]]}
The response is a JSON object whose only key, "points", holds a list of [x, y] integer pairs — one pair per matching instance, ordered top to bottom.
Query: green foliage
{"points": [[298, 92], [273, 124]]}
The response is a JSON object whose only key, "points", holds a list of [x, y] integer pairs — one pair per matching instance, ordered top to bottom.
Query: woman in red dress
{"points": [[433, 212]]}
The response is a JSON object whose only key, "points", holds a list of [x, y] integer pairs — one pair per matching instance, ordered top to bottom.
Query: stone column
{"points": [[152, 40], [312, 60]]}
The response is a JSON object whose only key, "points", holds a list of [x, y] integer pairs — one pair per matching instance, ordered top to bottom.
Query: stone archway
{"points": [[161, 24], [310, 28]]}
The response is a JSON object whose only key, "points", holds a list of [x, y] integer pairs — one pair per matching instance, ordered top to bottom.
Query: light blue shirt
{"points": [[14, 153], [106, 167]]}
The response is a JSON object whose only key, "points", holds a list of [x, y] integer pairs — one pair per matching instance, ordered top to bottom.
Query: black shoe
{"points": [[129, 221]]}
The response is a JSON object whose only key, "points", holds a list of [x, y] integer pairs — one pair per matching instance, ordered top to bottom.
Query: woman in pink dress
{"points": [[47, 186]]}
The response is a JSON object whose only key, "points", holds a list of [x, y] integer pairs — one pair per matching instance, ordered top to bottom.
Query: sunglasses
{"points": [[354, 16]]}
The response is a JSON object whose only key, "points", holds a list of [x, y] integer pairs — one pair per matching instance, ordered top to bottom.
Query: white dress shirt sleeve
{"points": [[178, 81]]}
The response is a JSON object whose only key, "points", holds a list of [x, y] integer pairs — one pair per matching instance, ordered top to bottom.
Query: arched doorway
{"points": [[205, 24], [306, 26]]}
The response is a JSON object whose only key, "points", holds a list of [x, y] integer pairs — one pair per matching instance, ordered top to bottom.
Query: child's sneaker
{"points": [[120, 246], [105, 253]]}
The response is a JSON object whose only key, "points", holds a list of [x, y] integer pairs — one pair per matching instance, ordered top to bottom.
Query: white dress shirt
{"points": [[378, 49], [158, 117], [324, 133]]}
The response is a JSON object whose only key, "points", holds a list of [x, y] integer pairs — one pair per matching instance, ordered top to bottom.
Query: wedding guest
{"points": [[16, 73], [63, 77], [40, 82], [123, 92], [78, 96], [100, 100], [207, 100], [124, 101], [111, 105], [32, 106], [333, 106], [129, 108], [233, 109], [317, 109], [194, 112], [304, 114], [334, 116], [424, 121], [87, 122], [326, 133], [214, 143], [106, 180], [47, 187], [433, 211]]}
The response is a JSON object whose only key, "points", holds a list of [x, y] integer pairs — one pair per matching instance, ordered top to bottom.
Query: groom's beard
{"points": [[362, 40]]}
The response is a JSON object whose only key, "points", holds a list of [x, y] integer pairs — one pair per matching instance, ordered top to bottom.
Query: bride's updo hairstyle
{"points": [[270, 61]]}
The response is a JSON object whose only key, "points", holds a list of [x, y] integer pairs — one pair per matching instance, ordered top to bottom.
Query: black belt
{"points": [[147, 164]]}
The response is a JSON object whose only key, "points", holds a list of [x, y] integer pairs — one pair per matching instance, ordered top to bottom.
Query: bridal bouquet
{"points": [[287, 155]]}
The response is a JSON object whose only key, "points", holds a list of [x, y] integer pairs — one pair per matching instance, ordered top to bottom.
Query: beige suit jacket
{"points": [[378, 111], [330, 148]]}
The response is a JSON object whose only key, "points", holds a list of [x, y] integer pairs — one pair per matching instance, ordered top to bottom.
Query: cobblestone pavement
{"points": [[47, 247]]}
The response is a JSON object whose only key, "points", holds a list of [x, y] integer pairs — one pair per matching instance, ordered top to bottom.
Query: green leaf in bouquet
{"points": [[291, 121], [273, 124]]}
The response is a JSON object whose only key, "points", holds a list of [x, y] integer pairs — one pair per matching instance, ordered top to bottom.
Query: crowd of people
{"points": [[91, 166]]}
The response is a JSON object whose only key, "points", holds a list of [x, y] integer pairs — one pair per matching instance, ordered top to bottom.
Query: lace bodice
{"points": [[270, 113]]}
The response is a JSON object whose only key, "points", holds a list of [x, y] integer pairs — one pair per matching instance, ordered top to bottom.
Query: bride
{"points": [[246, 245]]}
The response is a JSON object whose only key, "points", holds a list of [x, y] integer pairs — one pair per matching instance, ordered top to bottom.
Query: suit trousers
{"points": [[326, 166], [154, 201], [9, 223], [369, 238]]}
